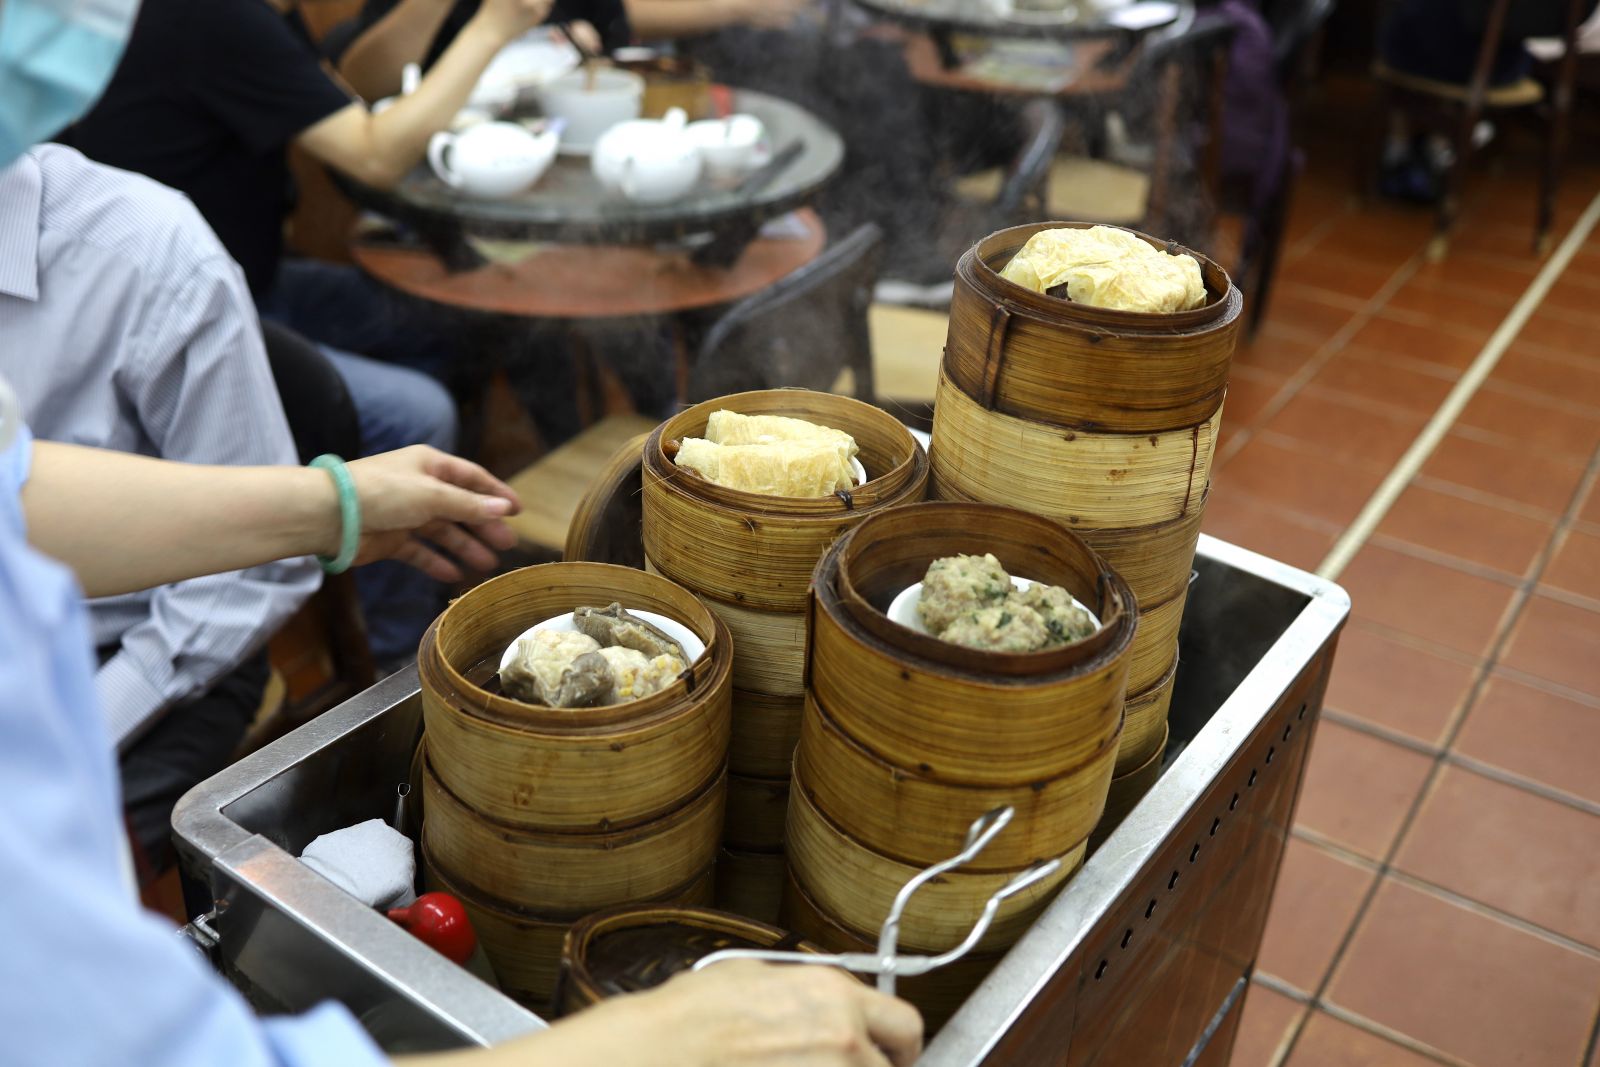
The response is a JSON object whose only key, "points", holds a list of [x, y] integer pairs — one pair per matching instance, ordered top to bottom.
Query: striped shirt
{"points": [[124, 325]]}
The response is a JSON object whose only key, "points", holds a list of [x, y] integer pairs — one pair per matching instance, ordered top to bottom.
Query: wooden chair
{"points": [[1460, 107], [802, 331]]}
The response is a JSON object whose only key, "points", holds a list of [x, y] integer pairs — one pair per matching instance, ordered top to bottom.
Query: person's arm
{"points": [[657, 19], [373, 62], [378, 150], [124, 522]]}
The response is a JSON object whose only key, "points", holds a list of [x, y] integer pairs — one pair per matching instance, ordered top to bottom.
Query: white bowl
{"points": [[616, 97], [730, 147], [903, 609], [693, 647]]}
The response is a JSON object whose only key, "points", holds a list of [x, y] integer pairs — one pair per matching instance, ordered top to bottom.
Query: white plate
{"points": [[860, 471], [903, 609], [693, 647]]}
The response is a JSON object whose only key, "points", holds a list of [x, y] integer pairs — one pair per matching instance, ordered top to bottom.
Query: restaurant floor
{"points": [[1440, 897]]}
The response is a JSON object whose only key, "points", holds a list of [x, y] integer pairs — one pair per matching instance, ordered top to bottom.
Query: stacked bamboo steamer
{"points": [[1105, 420], [750, 557], [906, 739], [536, 816]]}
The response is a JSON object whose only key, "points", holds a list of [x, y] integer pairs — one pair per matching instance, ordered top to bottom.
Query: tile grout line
{"points": [[1389, 491], [1484, 672]]}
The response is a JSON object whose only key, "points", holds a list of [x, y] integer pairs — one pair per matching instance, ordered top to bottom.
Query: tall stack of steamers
{"points": [[818, 754]]}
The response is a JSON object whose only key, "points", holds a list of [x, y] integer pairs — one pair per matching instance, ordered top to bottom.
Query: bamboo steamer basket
{"points": [[1049, 360], [1084, 477], [606, 526], [757, 552], [1156, 561], [1155, 646], [928, 706], [1144, 723], [765, 731], [595, 769], [1127, 790], [756, 811], [916, 820], [572, 872], [750, 883], [856, 886], [658, 943], [523, 946], [936, 994]]}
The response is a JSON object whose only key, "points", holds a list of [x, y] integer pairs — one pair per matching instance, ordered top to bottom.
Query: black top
{"points": [[606, 16], [207, 99]]}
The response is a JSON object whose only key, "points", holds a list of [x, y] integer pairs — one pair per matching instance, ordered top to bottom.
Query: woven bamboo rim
{"points": [[1048, 359], [1083, 478], [607, 525], [892, 550], [758, 551], [1155, 560], [1155, 645], [769, 647], [939, 719], [1144, 723], [765, 731], [553, 768], [1127, 790], [757, 808], [918, 821], [572, 873], [751, 883], [856, 886], [523, 947], [582, 987], [936, 994]]}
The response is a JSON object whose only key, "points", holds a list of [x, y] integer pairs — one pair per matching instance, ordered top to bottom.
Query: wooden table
{"points": [[1100, 68], [568, 282]]}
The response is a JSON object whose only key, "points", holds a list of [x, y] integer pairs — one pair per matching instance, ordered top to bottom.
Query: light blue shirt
{"points": [[125, 325], [87, 979]]}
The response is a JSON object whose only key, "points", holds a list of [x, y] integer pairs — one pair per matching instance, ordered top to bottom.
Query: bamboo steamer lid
{"points": [[1050, 360], [1086, 478], [755, 551], [918, 703], [1144, 724], [765, 730], [591, 769], [1127, 790], [756, 812], [920, 821], [553, 872], [750, 883], [856, 886], [524, 947], [628, 950], [936, 994]]}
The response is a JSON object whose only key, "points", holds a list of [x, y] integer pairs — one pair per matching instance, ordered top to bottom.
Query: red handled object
{"points": [[439, 921]]}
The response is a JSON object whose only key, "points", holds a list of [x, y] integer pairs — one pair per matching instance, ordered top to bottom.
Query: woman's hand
{"points": [[510, 19], [418, 501]]}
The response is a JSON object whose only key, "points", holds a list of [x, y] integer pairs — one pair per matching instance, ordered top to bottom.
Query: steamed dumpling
{"points": [[1103, 266], [790, 468]]}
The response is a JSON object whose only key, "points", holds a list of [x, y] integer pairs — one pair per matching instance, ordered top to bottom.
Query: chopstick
{"points": [[590, 59]]}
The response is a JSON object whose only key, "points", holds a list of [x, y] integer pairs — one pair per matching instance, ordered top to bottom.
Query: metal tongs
{"points": [[886, 963]]}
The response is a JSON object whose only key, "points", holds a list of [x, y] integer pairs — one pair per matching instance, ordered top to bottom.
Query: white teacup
{"points": [[616, 97], [731, 147], [493, 159], [651, 161]]}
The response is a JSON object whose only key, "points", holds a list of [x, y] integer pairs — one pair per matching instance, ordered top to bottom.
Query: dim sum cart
{"points": [[1144, 958]]}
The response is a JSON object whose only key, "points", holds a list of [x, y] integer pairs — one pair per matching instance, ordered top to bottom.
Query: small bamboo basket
{"points": [[1155, 646], [931, 707], [1144, 723], [765, 732], [591, 769], [1127, 790], [756, 812], [911, 818], [551, 872], [750, 883], [856, 886], [524, 947], [628, 950], [936, 994]]}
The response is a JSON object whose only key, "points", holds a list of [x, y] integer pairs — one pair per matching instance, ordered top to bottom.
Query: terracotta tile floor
{"points": [[1440, 898]]}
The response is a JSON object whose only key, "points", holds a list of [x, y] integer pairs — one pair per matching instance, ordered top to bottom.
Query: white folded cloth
{"points": [[371, 861]]}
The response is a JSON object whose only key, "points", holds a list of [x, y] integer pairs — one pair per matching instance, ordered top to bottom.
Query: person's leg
{"points": [[396, 407], [192, 742]]}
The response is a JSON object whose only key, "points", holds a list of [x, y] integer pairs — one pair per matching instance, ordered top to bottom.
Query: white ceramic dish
{"points": [[616, 97], [903, 609], [693, 647]]}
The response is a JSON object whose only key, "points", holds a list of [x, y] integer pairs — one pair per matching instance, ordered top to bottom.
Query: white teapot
{"points": [[492, 159], [648, 160]]}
